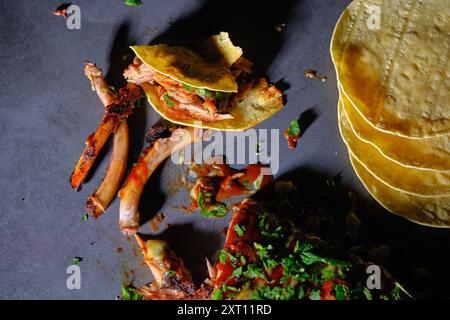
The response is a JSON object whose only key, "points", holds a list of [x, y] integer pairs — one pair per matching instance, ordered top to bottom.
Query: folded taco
{"points": [[208, 85]]}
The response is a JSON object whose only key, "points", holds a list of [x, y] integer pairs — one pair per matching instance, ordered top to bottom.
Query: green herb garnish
{"points": [[133, 3], [169, 103], [294, 128], [208, 209], [85, 217], [240, 230], [223, 256], [77, 260], [237, 272], [341, 292], [130, 293], [367, 293], [217, 294], [314, 295]]}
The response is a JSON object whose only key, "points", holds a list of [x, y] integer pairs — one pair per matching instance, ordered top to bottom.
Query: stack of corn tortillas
{"points": [[393, 72]]}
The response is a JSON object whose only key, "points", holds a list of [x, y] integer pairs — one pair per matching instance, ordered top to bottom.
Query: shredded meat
{"points": [[185, 103]]}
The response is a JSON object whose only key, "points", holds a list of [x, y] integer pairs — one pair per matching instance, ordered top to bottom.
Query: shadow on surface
{"points": [[250, 25], [119, 56]]}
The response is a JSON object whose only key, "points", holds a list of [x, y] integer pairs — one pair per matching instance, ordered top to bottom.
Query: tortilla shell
{"points": [[210, 70], [397, 76], [261, 102], [426, 154], [417, 182], [433, 212]]}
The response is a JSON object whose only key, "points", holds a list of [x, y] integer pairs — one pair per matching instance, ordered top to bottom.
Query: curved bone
{"points": [[149, 160], [102, 197]]}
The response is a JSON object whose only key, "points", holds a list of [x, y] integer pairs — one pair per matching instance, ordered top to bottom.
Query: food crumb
{"points": [[62, 10], [313, 74], [156, 221], [119, 249]]}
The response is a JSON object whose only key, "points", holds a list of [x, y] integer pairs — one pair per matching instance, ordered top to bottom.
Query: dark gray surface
{"points": [[48, 109]]}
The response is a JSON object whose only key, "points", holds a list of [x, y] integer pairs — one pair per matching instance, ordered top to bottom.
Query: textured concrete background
{"points": [[48, 109]]}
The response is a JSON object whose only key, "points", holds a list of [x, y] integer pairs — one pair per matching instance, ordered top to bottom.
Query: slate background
{"points": [[48, 109]]}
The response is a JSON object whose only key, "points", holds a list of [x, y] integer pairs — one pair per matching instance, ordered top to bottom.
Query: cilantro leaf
{"points": [[133, 3], [169, 103], [294, 128], [216, 210], [85, 217], [240, 230], [223, 256], [309, 257], [77, 260], [253, 271], [237, 272], [341, 292], [130, 293], [367, 293], [217, 295], [314, 295]]}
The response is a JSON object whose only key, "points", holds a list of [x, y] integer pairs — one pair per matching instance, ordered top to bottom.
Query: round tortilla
{"points": [[208, 68], [398, 75], [261, 102], [426, 154], [422, 183], [432, 212]]}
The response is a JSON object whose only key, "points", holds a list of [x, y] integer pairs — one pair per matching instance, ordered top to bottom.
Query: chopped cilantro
{"points": [[133, 3], [188, 87], [169, 103], [294, 128], [257, 182], [216, 210], [85, 217], [240, 230], [274, 234], [263, 252], [223, 256], [309, 257], [77, 260], [243, 260], [270, 264], [253, 271], [237, 272], [228, 288], [341, 292], [130, 293], [274, 293], [300, 293], [367, 293], [217, 295], [314, 295]]}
